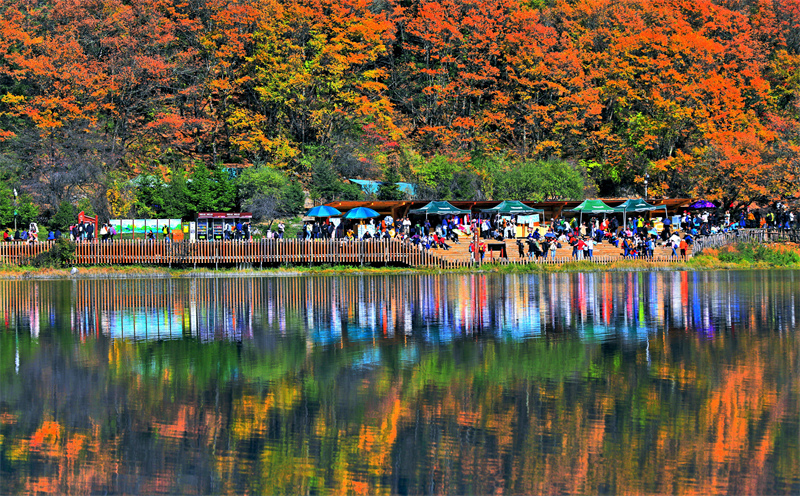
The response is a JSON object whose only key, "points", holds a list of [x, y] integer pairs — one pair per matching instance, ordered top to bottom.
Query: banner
{"points": [[139, 226]]}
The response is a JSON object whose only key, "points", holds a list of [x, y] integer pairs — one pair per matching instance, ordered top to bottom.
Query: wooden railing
{"points": [[745, 236], [267, 251], [298, 251], [271, 252]]}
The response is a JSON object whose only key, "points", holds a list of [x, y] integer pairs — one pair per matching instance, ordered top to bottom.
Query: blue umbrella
{"points": [[702, 204], [323, 211], [361, 213]]}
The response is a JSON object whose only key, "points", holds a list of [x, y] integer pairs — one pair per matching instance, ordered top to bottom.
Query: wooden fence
{"points": [[745, 236], [267, 251], [298, 251], [270, 252]]}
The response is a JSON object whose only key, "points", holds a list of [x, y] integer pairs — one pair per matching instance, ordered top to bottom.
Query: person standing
{"points": [[589, 248]]}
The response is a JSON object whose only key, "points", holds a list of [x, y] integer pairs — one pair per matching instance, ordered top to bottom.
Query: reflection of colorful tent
{"points": [[702, 204], [513, 207], [439, 208], [323, 211], [361, 213]]}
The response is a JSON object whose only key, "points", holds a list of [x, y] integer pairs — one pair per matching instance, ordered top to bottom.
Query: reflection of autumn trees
{"points": [[537, 416]]}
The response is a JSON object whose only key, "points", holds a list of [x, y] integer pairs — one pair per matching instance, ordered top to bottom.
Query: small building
{"points": [[210, 225]]}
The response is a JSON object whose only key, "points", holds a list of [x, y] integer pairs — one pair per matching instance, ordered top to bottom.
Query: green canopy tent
{"points": [[637, 205], [513, 207], [593, 207], [439, 208]]}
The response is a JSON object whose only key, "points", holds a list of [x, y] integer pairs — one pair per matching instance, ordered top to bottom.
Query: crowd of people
{"points": [[423, 233], [30, 235], [636, 236]]}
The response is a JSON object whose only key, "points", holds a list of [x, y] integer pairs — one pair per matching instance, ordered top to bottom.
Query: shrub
{"points": [[756, 253], [61, 254]]}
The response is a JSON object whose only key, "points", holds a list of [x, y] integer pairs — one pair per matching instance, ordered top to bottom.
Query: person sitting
{"points": [[6, 235], [366, 235]]}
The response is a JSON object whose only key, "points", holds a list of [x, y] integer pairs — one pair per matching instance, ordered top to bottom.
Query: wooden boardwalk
{"points": [[275, 252]]}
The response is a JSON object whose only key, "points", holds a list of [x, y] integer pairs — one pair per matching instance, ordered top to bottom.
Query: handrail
{"points": [[319, 251]]}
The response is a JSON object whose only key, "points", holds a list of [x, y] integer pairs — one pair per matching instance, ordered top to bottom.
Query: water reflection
{"points": [[438, 309], [568, 383]]}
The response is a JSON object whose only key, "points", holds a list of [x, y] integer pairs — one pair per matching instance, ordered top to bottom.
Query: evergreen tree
{"points": [[389, 190]]}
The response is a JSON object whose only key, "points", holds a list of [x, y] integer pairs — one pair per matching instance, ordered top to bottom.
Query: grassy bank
{"points": [[746, 256]]}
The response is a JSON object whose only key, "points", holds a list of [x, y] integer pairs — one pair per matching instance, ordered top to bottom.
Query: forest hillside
{"points": [[103, 100]]}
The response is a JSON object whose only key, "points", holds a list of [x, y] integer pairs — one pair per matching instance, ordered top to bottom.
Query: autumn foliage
{"points": [[702, 95]]}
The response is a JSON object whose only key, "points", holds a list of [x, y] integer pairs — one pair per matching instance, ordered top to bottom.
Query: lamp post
{"points": [[646, 177], [15, 210]]}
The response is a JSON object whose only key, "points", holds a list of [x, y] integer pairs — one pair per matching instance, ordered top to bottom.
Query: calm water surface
{"points": [[668, 382]]}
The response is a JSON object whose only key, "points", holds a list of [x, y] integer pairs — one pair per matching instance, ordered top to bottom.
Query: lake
{"points": [[655, 382]]}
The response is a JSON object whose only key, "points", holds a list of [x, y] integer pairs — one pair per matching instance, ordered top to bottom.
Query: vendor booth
{"points": [[525, 218], [210, 225]]}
